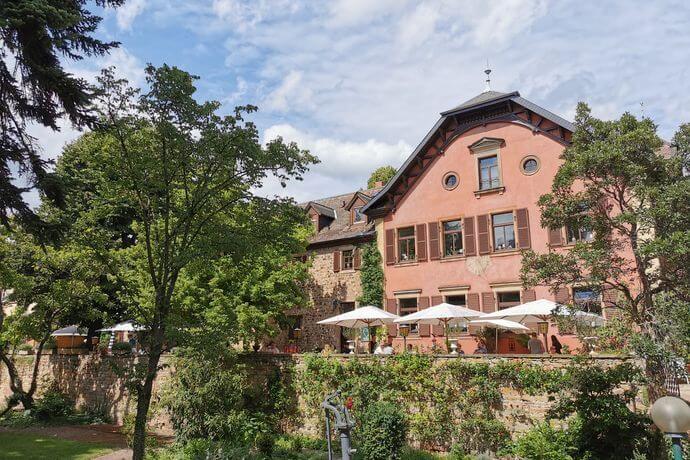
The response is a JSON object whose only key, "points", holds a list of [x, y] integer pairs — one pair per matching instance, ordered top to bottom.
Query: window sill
{"points": [[489, 191], [504, 252], [452, 258], [407, 263]]}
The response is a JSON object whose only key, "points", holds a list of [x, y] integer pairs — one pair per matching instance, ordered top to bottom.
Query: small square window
{"points": [[357, 215], [348, 259]]}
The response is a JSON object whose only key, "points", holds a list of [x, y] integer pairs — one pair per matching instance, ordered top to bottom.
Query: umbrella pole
{"points": [[445, 332], [496, 349]]}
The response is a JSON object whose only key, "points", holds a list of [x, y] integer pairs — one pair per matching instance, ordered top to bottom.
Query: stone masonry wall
{"points": [[327, 290], [97, 382]]}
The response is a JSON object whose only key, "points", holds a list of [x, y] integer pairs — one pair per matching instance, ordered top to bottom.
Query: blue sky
{"points": [[360, 82]]}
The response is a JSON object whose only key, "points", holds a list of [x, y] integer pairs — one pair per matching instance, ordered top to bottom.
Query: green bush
{"points": [[25, 347], [122, 347], [52, 404], [382, 432], [543, 442]]}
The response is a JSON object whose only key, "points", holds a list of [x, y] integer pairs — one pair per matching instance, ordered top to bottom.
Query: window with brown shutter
{"points": [[522, 221], [468, 227], [483, 234], [556, 237], [452, 238], [421, 242], [390, 247], [407, 249], [434, 249], [347, 259], [358, 259], [336, 261], [528, 295], [508, 299], [473, 301], [488, 302], [408, 306], [392, 307], [424, 329], [437, 329]]}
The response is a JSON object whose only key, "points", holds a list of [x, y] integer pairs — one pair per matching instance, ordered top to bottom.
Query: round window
{"points": [[530, 165], [450, 181]]}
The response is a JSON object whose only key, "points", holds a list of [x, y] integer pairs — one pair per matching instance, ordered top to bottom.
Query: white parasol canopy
{"points": [[541, 310], [441, 314], [367, 316], [500, 324], [125, 326], [69, 331]]}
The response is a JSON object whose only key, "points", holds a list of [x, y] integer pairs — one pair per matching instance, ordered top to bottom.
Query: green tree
{"points": [[35, 89], [190, 174], [382, 174], [618, 181], [371, 276], [44, 288]]}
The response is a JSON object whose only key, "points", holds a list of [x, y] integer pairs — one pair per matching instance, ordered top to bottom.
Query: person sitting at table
{"points": [[481, 348]]}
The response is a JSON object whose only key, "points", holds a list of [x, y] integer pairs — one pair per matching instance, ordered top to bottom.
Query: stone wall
{"points": [[327, 291], [98, 383]]}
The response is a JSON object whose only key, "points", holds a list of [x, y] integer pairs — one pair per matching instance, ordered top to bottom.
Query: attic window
{"points": [[357, 215]]}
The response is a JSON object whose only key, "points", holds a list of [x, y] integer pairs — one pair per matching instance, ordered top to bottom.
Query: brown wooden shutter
{"points": [[522, 221], [468, 230], [483, 234], [556, 237], [420, 238], [390, 247], [434, 247], [336, 261], [357, 262], [528, 295], [561, 295], [610, 298], [473, 301], [488, 302], [392, 307], [424, 329], [437, 329]]}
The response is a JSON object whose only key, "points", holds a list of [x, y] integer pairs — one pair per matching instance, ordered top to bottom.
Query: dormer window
{"points": [[357, 215]]}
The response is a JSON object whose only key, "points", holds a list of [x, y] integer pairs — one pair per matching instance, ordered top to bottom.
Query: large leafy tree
{"points": [[36, 89], [382, 174], [190, 175], [620, 180], [42, 288]]}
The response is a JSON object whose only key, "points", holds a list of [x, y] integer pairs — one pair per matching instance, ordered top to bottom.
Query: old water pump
{"points": [[343, 423]]}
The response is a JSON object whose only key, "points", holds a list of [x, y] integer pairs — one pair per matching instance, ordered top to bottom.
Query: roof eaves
{"points": [[466, 108], [544, 113]]}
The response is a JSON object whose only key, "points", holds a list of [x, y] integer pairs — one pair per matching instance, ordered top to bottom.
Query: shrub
{"points": [[25, 347], [122, 347], [53, 404], [382, 432], [478, 435], [543, 443]]}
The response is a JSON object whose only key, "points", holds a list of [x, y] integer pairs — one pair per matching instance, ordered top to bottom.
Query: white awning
{"points": [[361, 317]]}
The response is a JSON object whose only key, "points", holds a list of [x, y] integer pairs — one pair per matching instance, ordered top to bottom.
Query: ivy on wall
{"points": [[371, 276]]}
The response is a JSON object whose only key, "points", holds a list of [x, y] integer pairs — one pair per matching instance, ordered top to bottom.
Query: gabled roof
{"points": [[489, 106], [321, 209], [340, 229]]}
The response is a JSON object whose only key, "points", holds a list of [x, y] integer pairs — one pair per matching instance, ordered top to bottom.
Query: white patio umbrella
{"points": [[541, 310], [442, 314], [367, 316], [504, 324], [125, 326]]}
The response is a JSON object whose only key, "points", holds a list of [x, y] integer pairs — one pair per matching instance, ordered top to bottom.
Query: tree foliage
{"points": [[36, 89], [188, 174], [382, 174], [618, 180], [371, 276], [44, 288]]}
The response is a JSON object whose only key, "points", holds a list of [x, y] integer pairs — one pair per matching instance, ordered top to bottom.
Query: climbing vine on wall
{"points": [[371, 276]]}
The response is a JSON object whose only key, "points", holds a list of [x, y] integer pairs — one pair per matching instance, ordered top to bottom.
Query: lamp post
{"points": [[404, 330], [672, 416]]}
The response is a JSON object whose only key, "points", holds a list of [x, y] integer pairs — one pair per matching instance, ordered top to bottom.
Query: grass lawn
{"points": [[31, 446]]}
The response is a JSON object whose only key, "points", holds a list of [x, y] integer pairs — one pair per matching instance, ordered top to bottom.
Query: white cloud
{"points": [[127, 13], [290, 94], [345, 165]]}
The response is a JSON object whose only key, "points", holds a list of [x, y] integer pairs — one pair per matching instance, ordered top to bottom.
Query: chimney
{"points": [[379, 183]]}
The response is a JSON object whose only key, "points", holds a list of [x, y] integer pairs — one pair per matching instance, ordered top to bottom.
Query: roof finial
{"points": [[488, 78]]}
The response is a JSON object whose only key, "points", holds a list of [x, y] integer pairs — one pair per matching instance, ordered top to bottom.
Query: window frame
{"points": [[527, 158], [445, 178], [497, 179], [355, 211], [493, 227], [461, 233], [407, 239], [579, 239], [351, 259], [598, 302], [512, 303], [402, 311], [457, 330]]}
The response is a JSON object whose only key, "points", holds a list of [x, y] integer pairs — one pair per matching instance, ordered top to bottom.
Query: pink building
{"points": [[463, 205]]}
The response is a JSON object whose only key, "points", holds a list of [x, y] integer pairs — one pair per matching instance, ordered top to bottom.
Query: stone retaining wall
{"points": [[98, 382]]}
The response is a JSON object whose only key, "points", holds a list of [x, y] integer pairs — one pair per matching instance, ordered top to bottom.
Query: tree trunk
{"points": [[144, 393]]}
